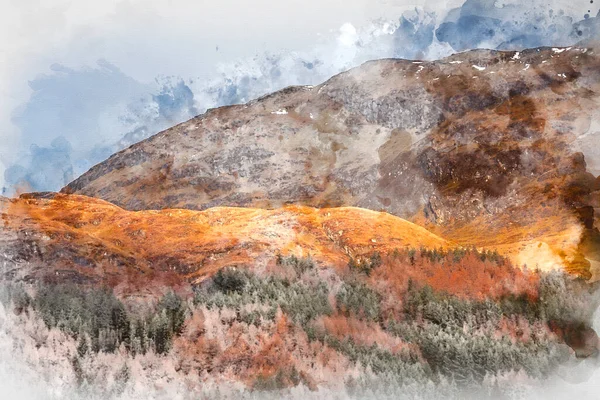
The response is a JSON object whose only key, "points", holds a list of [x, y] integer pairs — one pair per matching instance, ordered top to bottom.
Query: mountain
{"points": [[484, 148], [401, 230]]}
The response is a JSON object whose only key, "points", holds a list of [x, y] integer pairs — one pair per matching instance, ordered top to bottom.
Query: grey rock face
{"points": [[476, 134]]}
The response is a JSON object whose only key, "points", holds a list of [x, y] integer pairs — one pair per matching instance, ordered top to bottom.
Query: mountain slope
{"points": [[373, 137], [470, 146], [75, 238], [218, 296]]}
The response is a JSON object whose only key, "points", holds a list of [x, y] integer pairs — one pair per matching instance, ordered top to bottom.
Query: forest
{"points": [[291, 324]]}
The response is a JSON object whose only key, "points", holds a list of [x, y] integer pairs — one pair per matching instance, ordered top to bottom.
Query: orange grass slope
{"points": [[86, 238]]}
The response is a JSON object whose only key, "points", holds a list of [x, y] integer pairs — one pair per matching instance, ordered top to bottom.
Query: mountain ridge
{"points": [[482, 139], [80, 183]]}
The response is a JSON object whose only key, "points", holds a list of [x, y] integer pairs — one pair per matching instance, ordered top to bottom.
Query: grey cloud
{"points": [[483, 23], [76, 118]]}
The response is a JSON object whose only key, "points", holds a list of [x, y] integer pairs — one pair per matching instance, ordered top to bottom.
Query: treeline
{"points": [[455, 255], [466, 272], [234, 289], [99, 321]]}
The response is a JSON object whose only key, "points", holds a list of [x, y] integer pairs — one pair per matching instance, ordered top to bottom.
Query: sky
{"points": [[80, 80]]}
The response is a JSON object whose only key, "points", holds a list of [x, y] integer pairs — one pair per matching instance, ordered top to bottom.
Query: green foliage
{"points": [[411, 255], [435, 255], [456, 255], [491, 256], [299, 265], [365, 265], [230, 280], [16, 295], [358, 299], [561, 299], [565, 299], [301, 301], [443, 309], [175, 310], [94, 311], [100, 321], [157, 329], [159, 332], [446, 335], [459, 337], [82, 346], [469, 352], [379, 360], [403, 367], [79, 375], [121, 379], [278, 381]]}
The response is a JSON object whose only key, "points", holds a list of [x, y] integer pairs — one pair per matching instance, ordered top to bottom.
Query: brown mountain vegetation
{"points": [[483, 148]]}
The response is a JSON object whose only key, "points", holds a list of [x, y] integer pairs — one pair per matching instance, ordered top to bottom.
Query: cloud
{"points": [[492, 24], [417, 34], [414, 36], [77, 104], [76, 118], [47, 167]]}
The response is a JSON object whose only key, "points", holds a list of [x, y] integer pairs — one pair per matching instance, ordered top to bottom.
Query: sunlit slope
{"points": [[82, 236], [77, 238]]}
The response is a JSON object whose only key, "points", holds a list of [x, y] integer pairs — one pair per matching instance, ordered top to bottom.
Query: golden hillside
{"points": [[77, 235], [77, 238]]}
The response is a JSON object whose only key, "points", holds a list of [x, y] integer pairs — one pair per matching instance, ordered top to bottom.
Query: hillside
{"points": [[481, 141], [72, 238], [76, 238], [273, 299]]}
